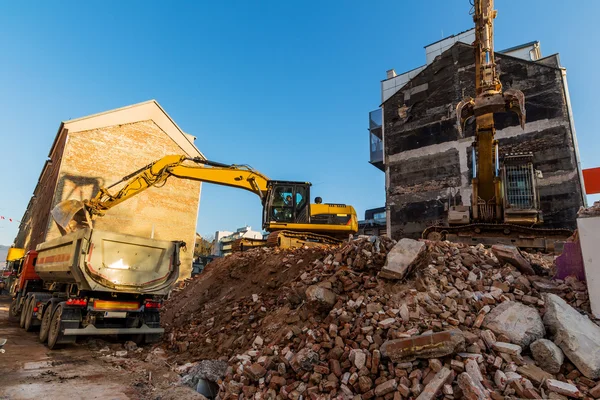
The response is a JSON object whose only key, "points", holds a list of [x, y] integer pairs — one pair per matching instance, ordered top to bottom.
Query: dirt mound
{"points": [[209, 304], [323, 324]]}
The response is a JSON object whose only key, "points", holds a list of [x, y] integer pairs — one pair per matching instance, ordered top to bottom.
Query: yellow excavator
{"points": [[505, 203], [287, 212]]}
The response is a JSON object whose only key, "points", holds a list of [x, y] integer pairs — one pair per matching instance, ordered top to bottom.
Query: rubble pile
{"points": [[386, 320]]}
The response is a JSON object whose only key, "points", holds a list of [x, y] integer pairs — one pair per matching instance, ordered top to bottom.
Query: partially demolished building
{"points": [[427, 162]]}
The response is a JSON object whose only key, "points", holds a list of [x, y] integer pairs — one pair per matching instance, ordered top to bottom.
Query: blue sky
{"points": [[283, 86]]}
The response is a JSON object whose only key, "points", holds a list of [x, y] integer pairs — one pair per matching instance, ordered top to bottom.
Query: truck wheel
{"points": [[13, 312], [24, 312], [29, 315], [45, 327], [54, 333]]}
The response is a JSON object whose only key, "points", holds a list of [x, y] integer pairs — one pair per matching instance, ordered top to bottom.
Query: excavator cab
{"points": [[287, 202], [287, 208]]}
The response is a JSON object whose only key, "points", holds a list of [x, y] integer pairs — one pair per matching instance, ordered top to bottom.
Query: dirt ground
{"points": [[90, 369]]}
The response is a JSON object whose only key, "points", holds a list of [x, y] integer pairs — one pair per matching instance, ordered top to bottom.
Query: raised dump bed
{"points": [[110, 262], [92, 282]]}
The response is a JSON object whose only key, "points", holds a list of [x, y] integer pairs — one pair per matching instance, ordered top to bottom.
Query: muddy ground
{"points": [[87, 370]]}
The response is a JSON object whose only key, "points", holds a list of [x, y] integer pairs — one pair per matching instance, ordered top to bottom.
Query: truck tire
{"points": [[25, 302], [13, 312], [28, 312], [45, 327], [54, 333]]}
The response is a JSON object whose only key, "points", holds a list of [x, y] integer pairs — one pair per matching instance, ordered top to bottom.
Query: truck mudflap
{"points": [[92, 330]]}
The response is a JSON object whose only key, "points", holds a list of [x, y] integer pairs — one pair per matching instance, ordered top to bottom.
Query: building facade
{"points": [[95, 151], [426, 160], [223, 242]]}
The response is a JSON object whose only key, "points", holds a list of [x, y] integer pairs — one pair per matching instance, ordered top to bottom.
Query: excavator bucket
{"points": [[511, 100], [515, 102], [464, 111], [70, 214]]}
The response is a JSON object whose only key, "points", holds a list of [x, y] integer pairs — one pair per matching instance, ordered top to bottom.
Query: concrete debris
{"points": [[592, 211], [512, 255], [403, 258], [320, 297], [519, 323], [459, 325], [575, 334], [508, 348], [547, 355], [210, 370], [564, 388]]}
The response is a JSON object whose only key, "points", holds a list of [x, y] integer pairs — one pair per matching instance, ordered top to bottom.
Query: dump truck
{"points": [[14, 259], [93, 282]]}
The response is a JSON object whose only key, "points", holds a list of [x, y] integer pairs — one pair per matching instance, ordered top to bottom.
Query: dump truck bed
{"points": [[111, 262]]}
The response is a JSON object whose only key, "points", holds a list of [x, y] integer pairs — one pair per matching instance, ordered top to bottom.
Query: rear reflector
{"points": [[77, 302], [152, 304], [116, 305], [35, 309]]}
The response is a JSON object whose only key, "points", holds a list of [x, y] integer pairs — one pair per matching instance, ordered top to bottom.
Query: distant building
{"points": [[92, 152], [427, 163], [222, 245]]}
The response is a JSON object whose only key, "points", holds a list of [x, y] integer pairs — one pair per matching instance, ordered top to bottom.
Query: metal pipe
{"points": [[497, 160], [474, 162]]}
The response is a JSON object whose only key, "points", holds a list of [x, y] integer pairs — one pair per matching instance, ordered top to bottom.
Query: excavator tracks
{"points": [[521, 236], [291, 239], [286, 240]]}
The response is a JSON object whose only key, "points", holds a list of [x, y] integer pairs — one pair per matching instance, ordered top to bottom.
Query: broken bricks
{"points": [[376, 340]]}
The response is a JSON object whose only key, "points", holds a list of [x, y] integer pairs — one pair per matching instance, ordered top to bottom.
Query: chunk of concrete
{"points": [[512, 255], [403, 258], [320, 297], [520, 323], [576, 335], [434, 345], [508, 348], [547, 355], [358, 358], [211, 370], [564, 388]]}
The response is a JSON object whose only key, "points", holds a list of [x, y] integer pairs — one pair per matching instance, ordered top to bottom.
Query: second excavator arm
{"points": [[71, 213]]}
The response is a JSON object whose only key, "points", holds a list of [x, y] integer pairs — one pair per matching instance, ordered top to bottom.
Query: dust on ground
{"points": [[87, 370]]}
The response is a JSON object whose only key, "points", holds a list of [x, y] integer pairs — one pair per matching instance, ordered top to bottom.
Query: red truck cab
{"points": [[27, 272]]}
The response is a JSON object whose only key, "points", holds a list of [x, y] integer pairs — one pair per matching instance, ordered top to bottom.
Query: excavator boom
{"points": [[287, 212], [72, 214]]}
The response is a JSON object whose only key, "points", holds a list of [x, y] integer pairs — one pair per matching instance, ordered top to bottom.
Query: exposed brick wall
{"points": [[100, 157], [37, 216]]}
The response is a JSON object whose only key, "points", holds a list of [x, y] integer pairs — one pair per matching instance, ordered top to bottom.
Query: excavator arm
{"points": [[71, 214]]}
